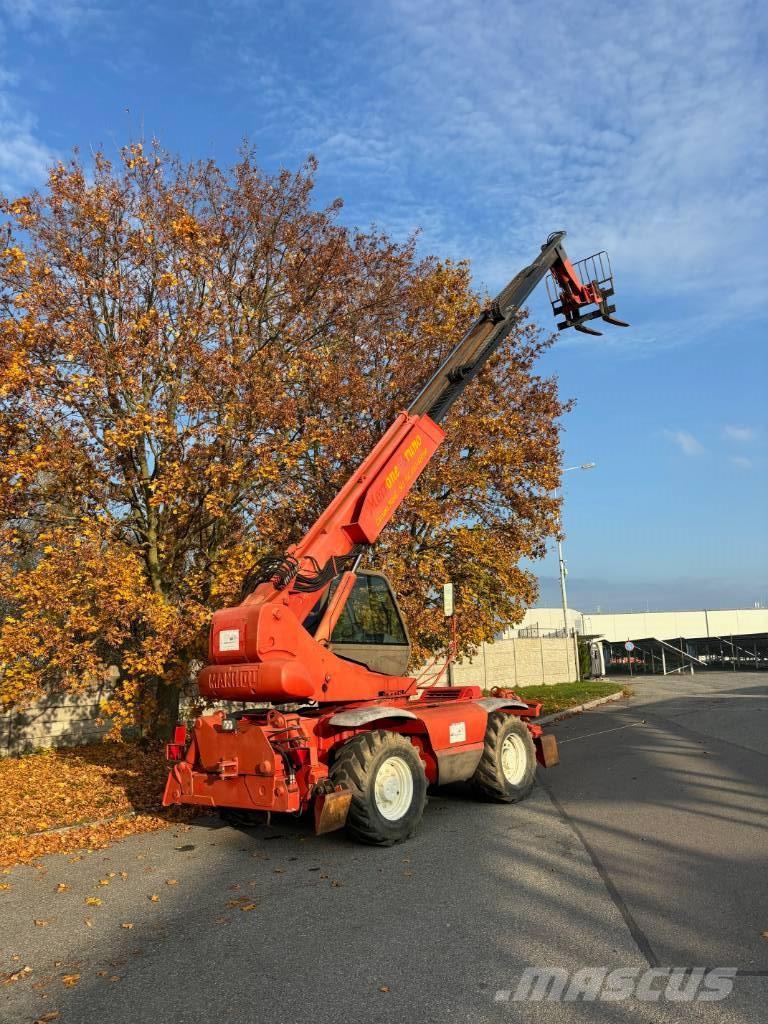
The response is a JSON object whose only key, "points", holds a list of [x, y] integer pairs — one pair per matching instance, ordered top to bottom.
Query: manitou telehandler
{"points": [[319, 651]]}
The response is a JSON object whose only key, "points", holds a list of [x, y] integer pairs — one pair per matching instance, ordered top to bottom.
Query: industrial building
{"points": [[660, 642]]}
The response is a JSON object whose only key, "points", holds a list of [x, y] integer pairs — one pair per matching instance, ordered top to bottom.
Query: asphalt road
{"points": [[645, 847]]}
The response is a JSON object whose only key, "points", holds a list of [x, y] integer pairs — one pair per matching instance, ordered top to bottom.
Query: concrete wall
{"points": [[519, 663], [62, 720], [70, 720]]}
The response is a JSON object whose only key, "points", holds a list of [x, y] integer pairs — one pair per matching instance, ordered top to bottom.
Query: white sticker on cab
{"points": [[229, 640], [457, 732]]}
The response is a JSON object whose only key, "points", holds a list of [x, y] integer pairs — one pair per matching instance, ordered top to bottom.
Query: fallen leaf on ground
{"points": [[107, 785], [123, 874], [103, 881], [171, 881], [335, 884], [4, 886], [62, 887], [154, 898], [93, 901], [248, 906], [40, 922], [88, 922], [127, 924], [765, 934], [22, 972], [101, 974], [115, 977], [70, 980], [383, 988], [47, 1017]]}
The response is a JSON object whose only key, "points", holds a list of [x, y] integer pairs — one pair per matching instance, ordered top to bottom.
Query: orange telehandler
{"points": [[319, 650]]}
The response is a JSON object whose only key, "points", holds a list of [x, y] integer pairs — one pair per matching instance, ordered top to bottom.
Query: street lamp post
{"points": [[560, 557]]}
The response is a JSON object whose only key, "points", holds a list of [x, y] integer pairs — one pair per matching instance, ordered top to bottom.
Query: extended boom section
{"points": [[571, 297], [316, 652]]}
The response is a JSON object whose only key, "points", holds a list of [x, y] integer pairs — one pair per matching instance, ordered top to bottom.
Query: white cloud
{"points": [[64, 14], [491, 125], [647, 147], [24, 154], [24, 157], [739, 434], [687, 443], [741, 461]]}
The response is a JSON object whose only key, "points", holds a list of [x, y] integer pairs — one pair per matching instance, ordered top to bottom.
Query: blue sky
{"points": [[637, 127]]}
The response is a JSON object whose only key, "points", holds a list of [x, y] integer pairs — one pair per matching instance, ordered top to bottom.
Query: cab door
{"points": [[371, 630]]}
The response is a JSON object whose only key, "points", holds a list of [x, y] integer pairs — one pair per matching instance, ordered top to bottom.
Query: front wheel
{"points": [[507, 768], [388, 783]]}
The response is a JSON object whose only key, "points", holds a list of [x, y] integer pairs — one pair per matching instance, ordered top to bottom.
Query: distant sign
{"points": [[447, 599], [629, 646]]}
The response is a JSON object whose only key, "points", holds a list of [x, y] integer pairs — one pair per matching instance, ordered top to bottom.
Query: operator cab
{"points": [[371, 629]]}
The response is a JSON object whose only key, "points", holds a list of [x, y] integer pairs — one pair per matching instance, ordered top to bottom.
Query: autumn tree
{"points": [[192, 360]]}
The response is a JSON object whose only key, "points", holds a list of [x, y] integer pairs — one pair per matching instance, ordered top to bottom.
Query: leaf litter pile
{"points": [[95, 794]]}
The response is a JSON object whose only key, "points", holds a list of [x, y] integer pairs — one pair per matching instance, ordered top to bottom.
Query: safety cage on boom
{"points": [[593, 270]]}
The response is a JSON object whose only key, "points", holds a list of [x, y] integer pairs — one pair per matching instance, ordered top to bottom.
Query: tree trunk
{"points": [[167, 697]]}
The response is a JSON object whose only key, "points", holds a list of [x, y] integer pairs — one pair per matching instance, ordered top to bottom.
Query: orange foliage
{"points": [[192, 360], [116, 785]]}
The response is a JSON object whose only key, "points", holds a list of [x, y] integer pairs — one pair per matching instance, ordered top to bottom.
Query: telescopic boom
{"points": [[571, 296], [370, 497]]}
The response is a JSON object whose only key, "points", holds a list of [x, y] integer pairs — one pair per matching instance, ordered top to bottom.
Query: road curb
{"points": [[578, 708]]}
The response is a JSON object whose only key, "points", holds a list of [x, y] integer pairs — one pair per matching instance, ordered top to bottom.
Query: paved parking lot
{"points": [[646, 847]]}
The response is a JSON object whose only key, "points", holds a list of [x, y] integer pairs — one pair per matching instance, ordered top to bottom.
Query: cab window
{"points": [[369, 616]]}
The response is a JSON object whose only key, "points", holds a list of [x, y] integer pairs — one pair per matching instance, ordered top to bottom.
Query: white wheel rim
{"points": [[514, 759], [393, 788]]}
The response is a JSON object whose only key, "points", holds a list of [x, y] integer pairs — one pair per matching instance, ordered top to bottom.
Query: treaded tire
{"points": [[357, 765], [489, 779]]}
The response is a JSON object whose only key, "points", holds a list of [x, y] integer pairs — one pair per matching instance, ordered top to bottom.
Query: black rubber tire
{"points": [[356, 766], [489, 780]]}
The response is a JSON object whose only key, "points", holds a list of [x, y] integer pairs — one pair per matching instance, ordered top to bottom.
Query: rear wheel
{"points": [[507, 768], [388, 783]]}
